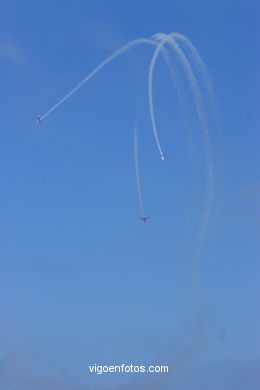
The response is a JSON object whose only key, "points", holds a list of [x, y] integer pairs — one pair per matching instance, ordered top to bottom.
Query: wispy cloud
{"points": [[10, 51]]}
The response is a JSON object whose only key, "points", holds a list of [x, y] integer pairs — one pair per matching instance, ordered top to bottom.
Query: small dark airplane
{"points": [[39, 120], [143, 218]]}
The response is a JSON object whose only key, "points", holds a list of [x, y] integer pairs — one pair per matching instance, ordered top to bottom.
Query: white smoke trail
{"points": [[118, 52], [203, 69], [176, 82], [150, 90], [182, 99], [199, 103], [199, 107], [201, 115], [202, 119], [137, 172], [210, 192]]}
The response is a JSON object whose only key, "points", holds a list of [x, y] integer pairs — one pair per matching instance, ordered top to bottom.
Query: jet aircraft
{"points": [[143, 218]]}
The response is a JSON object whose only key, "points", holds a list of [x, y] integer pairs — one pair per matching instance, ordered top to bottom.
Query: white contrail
{"points": [[170, 38], [121, 50], [203, 69], [176, 79], [150, 90], [200, 111], [137, 172], [210, 189]]}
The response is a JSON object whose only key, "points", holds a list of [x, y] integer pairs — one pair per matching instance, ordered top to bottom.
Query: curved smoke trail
{"points": [[118, 52], [203, 69], [175, 77], [150, 91], [199, 103], [201, 112], [203, 123], [137, 172]]}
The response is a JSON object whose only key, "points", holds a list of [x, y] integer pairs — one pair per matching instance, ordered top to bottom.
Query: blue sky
{"points": [[82, 280]]}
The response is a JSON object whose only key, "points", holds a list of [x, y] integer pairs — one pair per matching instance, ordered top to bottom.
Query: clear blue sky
{"points": [[82, 280]]}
